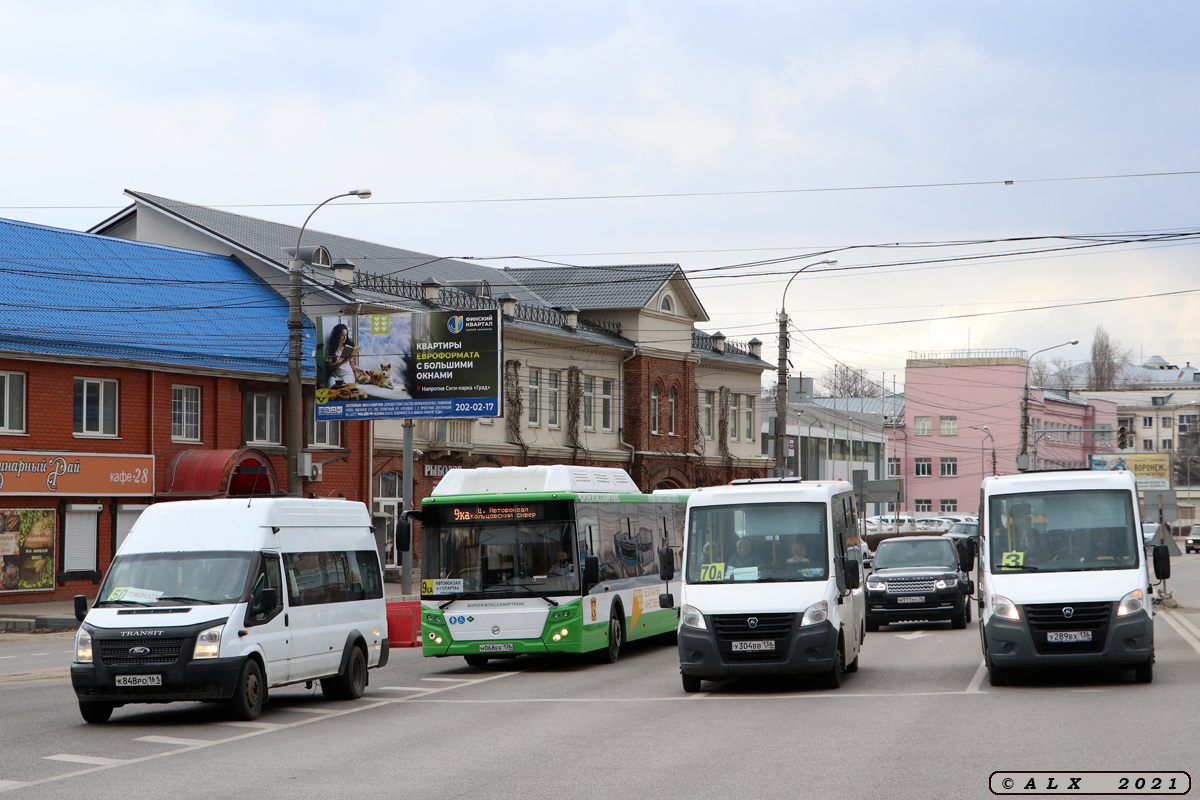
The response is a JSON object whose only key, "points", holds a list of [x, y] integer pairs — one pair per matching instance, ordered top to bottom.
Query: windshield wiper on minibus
{"points": [[531, 590], [182, 599], [123, 602]]}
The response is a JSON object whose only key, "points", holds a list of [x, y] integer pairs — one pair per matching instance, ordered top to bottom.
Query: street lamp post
{"points": [[782, 379], [1025, 397], [294, 430], [988, 434]]}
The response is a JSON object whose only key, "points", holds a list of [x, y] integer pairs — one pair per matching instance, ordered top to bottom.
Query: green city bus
{"points": [[545, 559]]}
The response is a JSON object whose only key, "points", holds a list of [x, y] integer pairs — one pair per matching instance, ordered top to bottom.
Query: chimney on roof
{"points": [[343, 273], [432, 289], [508, 305], [570, 317], [718, 340], [755, 347]]}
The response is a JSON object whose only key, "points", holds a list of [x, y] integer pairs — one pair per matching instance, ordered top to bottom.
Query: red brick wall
{"points": [[144, 426]]}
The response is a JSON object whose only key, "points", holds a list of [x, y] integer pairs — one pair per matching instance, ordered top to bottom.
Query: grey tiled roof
{"points": [[268, 239], [628, 286]]}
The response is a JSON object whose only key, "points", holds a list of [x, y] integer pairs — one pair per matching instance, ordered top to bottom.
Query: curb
{"points": [[29, 623]]}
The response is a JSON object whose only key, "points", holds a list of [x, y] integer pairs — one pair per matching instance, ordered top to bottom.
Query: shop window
{"points": [[81, 524]]}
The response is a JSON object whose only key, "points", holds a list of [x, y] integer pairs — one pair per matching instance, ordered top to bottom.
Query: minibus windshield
{"points": [[1067, 531], [757, 542], [497, 552], [208, 578]]}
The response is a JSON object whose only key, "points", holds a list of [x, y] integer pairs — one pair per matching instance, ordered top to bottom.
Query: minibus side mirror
{"points": [[403, 535], [966, 555], [1162, 562], [666, 564], [591, 571], [853, 575], [266, 600], [666, 600], [81, 607]]}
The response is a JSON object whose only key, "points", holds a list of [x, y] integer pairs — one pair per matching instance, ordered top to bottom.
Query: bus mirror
{"points": [[403, 535], [966, 555], [1162, 562], [666, 564], [591, 571], [853, 574], [666, 600], [81, 608]]}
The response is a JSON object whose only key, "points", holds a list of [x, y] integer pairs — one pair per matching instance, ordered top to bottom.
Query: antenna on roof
{"points": [[243, 469]]}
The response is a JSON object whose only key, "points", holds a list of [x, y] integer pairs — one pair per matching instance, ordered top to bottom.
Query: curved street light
{"points": [[781, 386], [1025, 397], [294, 431], [988, 434]]}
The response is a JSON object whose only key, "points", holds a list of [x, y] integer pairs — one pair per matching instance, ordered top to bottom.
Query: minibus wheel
{"points": [[1144, 672], [833, 678], [352, 683], [691, 684], [249, 693], [95, 712]]}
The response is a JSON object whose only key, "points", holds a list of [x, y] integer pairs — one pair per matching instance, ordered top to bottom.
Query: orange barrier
{"points": [[404, 624]]}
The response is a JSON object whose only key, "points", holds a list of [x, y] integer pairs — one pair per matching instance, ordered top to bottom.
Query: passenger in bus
{"points": [[799, 554], [744, 555]]}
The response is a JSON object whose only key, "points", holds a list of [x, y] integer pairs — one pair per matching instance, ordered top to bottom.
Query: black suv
{"points": [[921, 578]]}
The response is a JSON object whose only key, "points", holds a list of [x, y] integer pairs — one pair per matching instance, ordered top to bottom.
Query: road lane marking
{"points": [[1187, 623], [1182, 631], [911, 636], [31, 655], [977, 679], [450, 680], [404, 689], [816, 694], [307, 710], [250, 724], [171, 740], [97, 760], [10, 784]]}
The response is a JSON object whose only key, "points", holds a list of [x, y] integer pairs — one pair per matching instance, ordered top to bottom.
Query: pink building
{"points": [[962, 409]]}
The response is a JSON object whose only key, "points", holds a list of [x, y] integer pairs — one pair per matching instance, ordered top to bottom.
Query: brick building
{"points": [[603, 365], [132, 374]]}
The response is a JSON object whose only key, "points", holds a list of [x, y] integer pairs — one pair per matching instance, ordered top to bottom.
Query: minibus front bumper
{"points": [[1127, 641], [804, 650], [205, 679]]}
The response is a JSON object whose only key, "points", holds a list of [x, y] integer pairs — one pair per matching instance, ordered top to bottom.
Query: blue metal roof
{"points": [[76, 294]]}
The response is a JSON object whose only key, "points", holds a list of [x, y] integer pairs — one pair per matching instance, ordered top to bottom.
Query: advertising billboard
{"points": [[409, 365], [1152, 470], [27, 538]]}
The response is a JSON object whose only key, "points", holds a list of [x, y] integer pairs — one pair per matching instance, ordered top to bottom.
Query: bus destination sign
{"points": [[477, 512]]}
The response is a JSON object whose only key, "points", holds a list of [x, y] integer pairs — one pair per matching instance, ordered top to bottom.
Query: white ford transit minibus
{"points": [[771, 572], [1062, 573], [220, 599]]}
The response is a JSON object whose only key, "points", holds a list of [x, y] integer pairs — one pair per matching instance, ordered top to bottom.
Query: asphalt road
{"points": [[917, 721]]}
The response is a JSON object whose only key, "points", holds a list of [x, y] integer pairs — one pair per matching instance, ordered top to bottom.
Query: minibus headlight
{"points": [[945, 583], [876, 586], [1133, 602], [1004, 608], [816, 613], [690, 617], [208, 643], [83, 647]]}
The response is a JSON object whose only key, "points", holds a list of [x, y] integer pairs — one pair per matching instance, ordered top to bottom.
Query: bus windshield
{"points": [[1067, 531], [757, 542], [496, 553], [209, 577]]}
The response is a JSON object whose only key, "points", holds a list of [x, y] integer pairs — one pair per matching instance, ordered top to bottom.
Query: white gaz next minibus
{"points": [[771, 574], [1063, 579], [220, 599]]}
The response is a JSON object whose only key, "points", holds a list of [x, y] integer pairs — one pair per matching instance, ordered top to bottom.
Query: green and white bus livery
{"points": [[544, 559]]}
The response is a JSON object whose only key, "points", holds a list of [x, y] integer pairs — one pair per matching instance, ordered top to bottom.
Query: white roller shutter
{"points": [[126, 516], [79, 551]]}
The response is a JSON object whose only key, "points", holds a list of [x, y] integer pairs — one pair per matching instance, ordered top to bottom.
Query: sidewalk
{"points": [[59, 615]]}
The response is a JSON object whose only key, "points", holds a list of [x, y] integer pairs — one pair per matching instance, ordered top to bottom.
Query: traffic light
{"points": [[1122, 437]]}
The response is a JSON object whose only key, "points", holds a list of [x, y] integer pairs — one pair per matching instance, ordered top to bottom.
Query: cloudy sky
{"points": [[802, 107]]}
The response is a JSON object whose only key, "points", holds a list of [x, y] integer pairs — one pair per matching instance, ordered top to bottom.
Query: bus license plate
{"points": [[915, 599], [1069, 636], [767, 645], [495, 648], [139, 680]]}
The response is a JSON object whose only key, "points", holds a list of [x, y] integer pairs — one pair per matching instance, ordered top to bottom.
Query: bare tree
{"points": [[1109, 358], [1039, 373], [1061, 374], [843, 381]]}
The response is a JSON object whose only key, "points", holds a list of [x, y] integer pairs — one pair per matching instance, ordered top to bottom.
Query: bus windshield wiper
{"points": [[531, 590], [459, 596], [187, 599]]}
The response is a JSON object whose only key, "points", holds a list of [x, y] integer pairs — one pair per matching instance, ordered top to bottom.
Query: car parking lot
{"points": [[917, 720]]}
